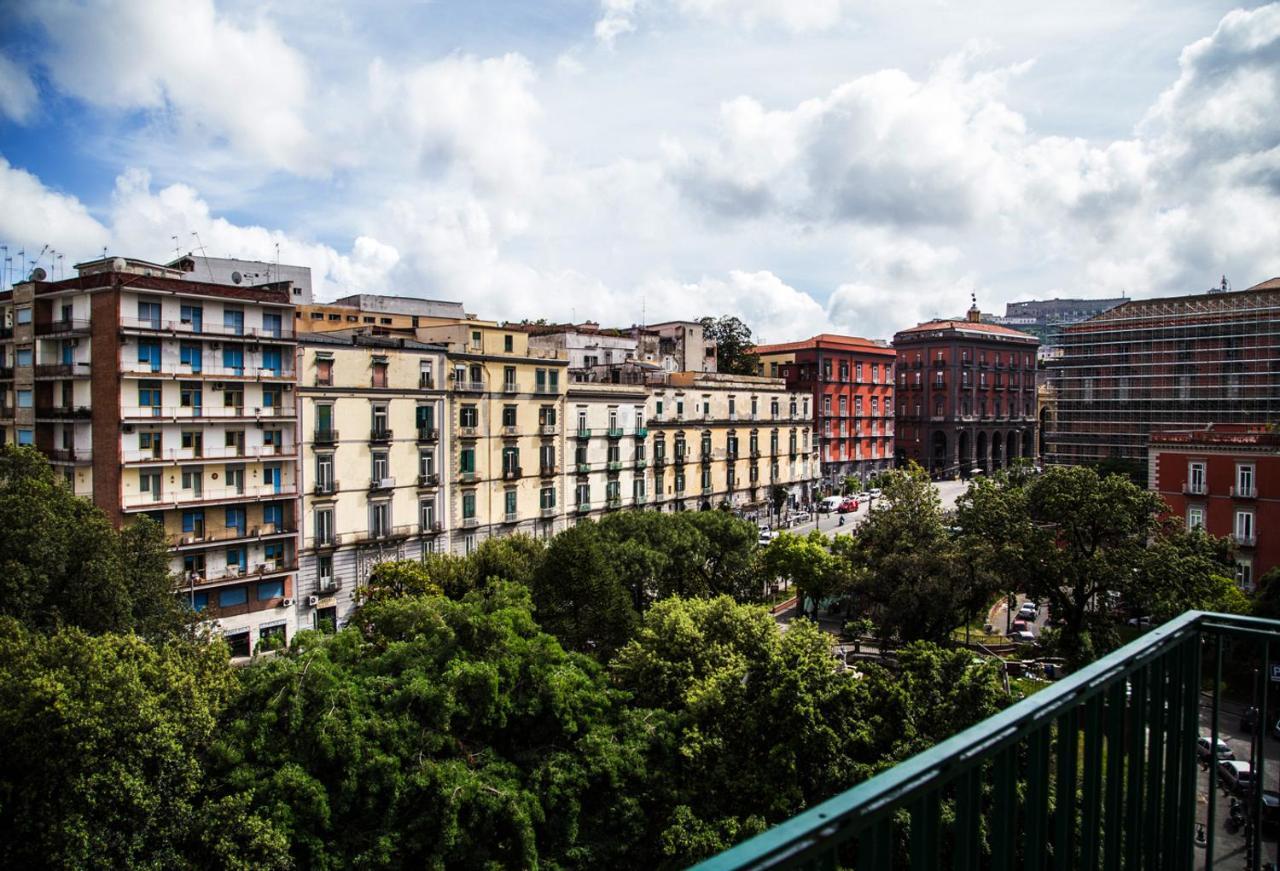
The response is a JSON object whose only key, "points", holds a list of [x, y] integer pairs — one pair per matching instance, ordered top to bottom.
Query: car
{"points": [[874, 493], [848, 505], [800, 517], [766, 536], [1028, 611], [1139, 621], [1019, 626], [1023, 637], [1203, 744], [1235, 777]]}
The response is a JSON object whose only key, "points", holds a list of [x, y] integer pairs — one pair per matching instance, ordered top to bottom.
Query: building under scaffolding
{"points": [[1157, 364]]}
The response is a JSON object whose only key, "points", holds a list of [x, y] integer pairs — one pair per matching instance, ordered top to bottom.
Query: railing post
{"points": [[1187, 747], [1213, 752], [1155, 770], [1134, 776], [968, 803], [1171, 808], [1036, 809], [1064, 811], [1113, 819], [1091, 828], [924, 832]]}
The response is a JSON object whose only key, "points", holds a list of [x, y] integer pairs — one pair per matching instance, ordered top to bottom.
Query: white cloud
{"points": [[618, 17], [17, 91], [34, 216], [773, 309]]}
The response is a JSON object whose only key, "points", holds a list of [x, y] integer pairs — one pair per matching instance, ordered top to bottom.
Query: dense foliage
{"points": [[735, 352]]}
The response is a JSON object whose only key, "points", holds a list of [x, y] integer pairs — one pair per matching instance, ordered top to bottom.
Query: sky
{"points": [[853, 166]]}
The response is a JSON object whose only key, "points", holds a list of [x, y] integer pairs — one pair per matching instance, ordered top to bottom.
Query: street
{"points": [[829, 524], [1228, 848]]}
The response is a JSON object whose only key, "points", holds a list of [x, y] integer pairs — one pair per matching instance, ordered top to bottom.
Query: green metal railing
{"points": [[1098, 770]]}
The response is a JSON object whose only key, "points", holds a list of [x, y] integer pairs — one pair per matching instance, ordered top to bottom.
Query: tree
{"points": [[735, 352], [778, 499], [1069, 538], [725, 561], [62, 562], [808, 562], [1185, 571], [394, 579], [921, 584], [578, 596], [1266, 601], [436, 733], [103, 738]]}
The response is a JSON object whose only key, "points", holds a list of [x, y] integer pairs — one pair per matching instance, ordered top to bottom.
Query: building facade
{"points": [[377, 314], [682, 346], [1158, 364], [850, 381], [966, 395], [163, 396], [372, 410], [505, 412], [729, 440], [606, 452], [1225, 479]]}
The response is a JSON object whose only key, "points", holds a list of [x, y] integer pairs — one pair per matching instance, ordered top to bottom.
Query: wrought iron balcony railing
{"points": [[1098, 770]]}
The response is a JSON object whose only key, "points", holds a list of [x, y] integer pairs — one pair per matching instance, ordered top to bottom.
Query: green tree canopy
{"points": [[735, 352], [62, 562], [578, 596]]}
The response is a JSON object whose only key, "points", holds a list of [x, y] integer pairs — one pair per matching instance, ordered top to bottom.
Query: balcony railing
{"points": [[71, 327], [212, 330], [81, 412], [547, 429], [584, 432], [615, 432], [641, 432], [380, 434], [428, 434], [326, 437], [546, 470], [511, 473], [432, 480], [326, 488], [1193, 488], [1244, 492], [1244, 540], [1099, 766]]}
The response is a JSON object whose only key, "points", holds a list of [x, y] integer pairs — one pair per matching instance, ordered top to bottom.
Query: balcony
{"points": [[63, 327], [284, 332], [61, 370], [469, 386], [510, 387], [64, 412], [548, 429], [468, 432], [510, 432], [615, 432], [641, 432], [583, 433], [428, 434], [378, 435], [325, 437], [71, 455], [659, 461], [640, 464], [614, 466], [583, 468], [547, 470], [511, 473], [468, 477], [431, 480], [382, 484], [325, 488], [1195, 488], [706, 491], [1244, 492], [639, 498], [613, 503], [583, 507], [549, 511], [511, 517], [434, 527], [386, 533], [199, 537], [1244, 540], [328, 586], [1100, 765]]}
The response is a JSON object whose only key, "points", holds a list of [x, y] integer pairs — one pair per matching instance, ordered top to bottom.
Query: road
{"points": [[829, 524], [1228, 847]]}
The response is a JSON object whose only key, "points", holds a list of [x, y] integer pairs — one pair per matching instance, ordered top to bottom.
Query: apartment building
{"points": [[376, 313], [682, 346], [592, 350], [1152, 365], [850, 381], [160, 395], [966, 395], [372, 409], [505, 411], [729, 439], [605, 448], [1225, 479]]}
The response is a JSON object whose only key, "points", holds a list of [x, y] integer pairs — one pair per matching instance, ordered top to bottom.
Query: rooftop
{"points": [[963, 326], [833, 340], [1219, 434]]}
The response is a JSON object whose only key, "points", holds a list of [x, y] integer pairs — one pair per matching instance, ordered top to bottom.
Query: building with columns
{"points": [[966, 395]]}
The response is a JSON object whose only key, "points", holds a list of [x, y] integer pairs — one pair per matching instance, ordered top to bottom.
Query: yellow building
{"points": [[376, 313], [372, 409], [505, 416], [719, 439]]}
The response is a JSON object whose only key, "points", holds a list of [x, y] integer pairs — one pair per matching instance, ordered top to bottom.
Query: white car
{"points": [[874, 492], [766, 536], [1028, 611]]}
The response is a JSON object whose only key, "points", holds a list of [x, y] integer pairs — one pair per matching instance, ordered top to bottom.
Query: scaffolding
{"points": [[1160, 364]]}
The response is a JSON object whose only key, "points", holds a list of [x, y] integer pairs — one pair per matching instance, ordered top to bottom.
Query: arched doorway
{"points": [[1028, 445], [997, 451], [938, 452], [966, 453], [1012, 453], [981, 460]]}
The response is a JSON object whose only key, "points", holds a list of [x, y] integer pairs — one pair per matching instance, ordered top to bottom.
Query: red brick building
{"points": [[851, 382], [966, 395], [1226, 479]]}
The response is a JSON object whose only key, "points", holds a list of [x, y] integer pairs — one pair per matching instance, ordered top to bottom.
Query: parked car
{"points": [[874, 493], [829, 504], [848, 505], [800, 517], [766, 536], [1028, 611], [1139, 621], [1019, 626], [1023, 637], [1202, 748], [1234, 776]]}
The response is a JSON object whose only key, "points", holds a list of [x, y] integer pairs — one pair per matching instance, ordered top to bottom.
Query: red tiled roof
{"points": [[1269, 284], [969, 326], [829, 339], [1218, 434]]}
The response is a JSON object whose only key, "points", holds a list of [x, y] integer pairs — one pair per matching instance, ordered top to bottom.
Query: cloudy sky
{"points": [[810, 165]]}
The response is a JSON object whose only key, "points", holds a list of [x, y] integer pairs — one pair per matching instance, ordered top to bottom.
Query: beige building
{"points": [[376, 313], [372, 409], [505, 415], [718, 439], [606, 448]]}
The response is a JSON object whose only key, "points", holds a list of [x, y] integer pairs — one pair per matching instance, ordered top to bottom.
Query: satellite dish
{"points": [[119, 264], [38, 274], [236, 277]]}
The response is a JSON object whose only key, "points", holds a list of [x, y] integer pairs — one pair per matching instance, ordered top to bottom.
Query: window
{"points": [[149, 314], [22, 315], [192, 316], [233, 321], [272, 325], [475, 339], [508, 344], [149, 355], [191, 355], [23, 357], [233, 359], [272, 360], [379, 378], [191, 395], [24, 399], [508, 415], [547, 415], [468, 416], [378, 417], [193, 440], [467, 461], [510, 461], [426, 463], [380, 465], [324, 472], [272, 476], [1196, 477], [1244, 479], [583, 494], [547, 498], [509, 502], [468, 506], [427, 513], [273, 514], [1195, 517], [379, 519], [193, 522], [324, 525], [1244, 528], [237, 557], [1244, 573], [268, 590], [232, 596]]}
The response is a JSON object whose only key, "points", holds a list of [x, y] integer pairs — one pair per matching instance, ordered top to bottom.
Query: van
{"points": [[830, 504]]}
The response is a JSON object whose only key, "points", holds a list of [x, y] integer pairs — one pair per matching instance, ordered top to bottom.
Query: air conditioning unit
{"points": [[215, 346], [218, 385], [288, 388], [128, 428], [233, 571], [313, 601], [285, 603]]}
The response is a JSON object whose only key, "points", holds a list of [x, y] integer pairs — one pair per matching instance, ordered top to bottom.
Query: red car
{"points": [[848, 505]]}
